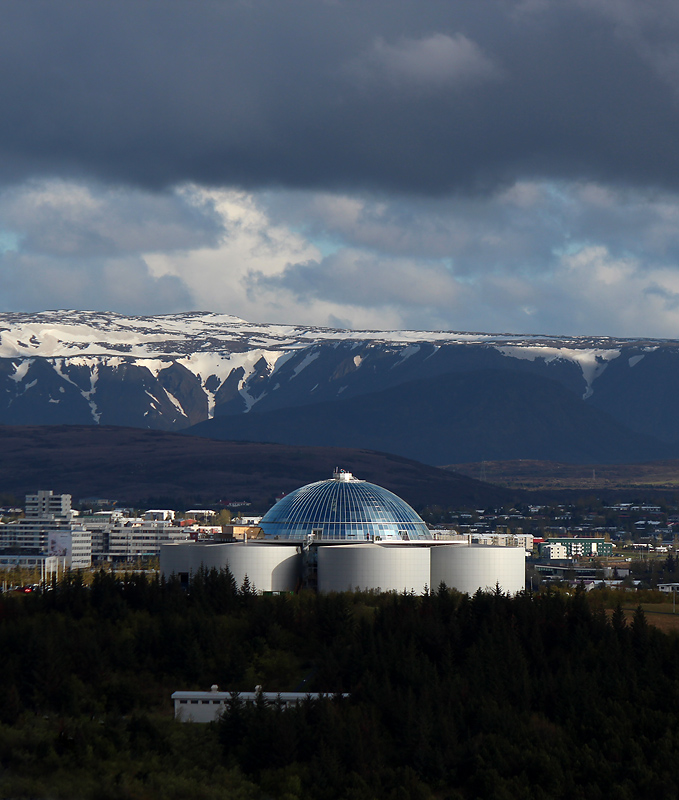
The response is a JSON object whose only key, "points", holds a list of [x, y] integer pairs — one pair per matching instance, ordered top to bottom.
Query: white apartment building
{"points": [[49, 529], [118, 538], [130, 540], [524, 540], [554, 551]]}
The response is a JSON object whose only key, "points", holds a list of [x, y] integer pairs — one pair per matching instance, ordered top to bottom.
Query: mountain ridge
{"points": [[174, 371]]}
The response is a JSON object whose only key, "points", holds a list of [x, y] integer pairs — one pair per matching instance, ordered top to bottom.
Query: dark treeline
{"points": [[539, 696]]}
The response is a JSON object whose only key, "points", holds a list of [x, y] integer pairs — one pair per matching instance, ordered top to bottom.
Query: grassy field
{"points": [[524, 474], [660, 615]]}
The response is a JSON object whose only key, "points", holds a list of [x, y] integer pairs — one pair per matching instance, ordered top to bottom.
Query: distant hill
{"points": [[457, 417], [139, 467], [612, 479]]}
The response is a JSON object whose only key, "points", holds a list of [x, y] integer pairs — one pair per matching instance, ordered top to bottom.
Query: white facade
{"points": [[47, 505], [159, 514], [50, 527], [119, 538], [524, 540], [127, 542], [554, 551], [49, 566], [269, 567], [373, 567], [386, 567], [469, 569], [208, 706]]}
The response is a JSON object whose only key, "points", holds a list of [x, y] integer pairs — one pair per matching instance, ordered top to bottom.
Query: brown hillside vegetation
{"points": [[137, 466], [541, 475]]}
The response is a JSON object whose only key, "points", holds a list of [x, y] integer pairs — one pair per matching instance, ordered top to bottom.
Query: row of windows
{"points": [[202, 702]]}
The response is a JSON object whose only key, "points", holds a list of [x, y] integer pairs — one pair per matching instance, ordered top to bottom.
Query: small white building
{"points": [[159, 514], [524, 540], [554, 551], [209, 706]]}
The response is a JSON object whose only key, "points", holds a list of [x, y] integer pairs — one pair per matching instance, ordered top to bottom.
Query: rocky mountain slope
{"points": [[617, 397], [497, 415]]}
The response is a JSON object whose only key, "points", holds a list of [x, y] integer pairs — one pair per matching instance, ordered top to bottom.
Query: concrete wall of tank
{"points": [[364, 566], [373, 567], [270, 568], [469, 569]]}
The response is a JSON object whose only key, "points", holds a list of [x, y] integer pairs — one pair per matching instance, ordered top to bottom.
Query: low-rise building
{"points": [[117, 538], [524, 540], [584, 546], [553, 550], [209, 706]]}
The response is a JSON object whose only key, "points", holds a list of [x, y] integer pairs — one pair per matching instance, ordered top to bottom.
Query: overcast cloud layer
{"points": [[500, 166]]}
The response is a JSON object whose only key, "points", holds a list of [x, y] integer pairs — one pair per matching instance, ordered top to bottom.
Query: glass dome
{"points": [[343, 509]]}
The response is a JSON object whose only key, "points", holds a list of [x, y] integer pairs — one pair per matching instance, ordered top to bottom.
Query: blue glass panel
{"points": [[343, 509]]}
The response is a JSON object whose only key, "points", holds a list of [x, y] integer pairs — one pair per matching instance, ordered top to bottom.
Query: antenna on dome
{"points": [[342, 475]]}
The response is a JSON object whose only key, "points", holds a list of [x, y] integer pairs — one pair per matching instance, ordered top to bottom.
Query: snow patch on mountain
{"points": [[53, 334], [84, 347], [410, 350], [591, 362], [304, 363], [59, 365], [206, 365], [20, 370], [89, 395], [154, 399], [176, 403]]}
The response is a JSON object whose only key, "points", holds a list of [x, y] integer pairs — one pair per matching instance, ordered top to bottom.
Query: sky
{"points": [[473, 165]]}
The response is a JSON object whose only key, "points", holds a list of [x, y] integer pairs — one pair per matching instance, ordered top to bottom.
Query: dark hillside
{"points": [[136, 466]]}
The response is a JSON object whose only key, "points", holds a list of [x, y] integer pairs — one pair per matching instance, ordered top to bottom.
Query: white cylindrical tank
{"points": [[269, 567], [375, 567], [470, 568]]}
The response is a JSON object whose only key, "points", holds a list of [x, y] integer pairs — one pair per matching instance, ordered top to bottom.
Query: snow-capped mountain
{"points": [[174, 371]]}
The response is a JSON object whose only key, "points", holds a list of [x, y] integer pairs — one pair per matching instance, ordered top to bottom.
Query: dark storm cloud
{"points": [[425, 96]]}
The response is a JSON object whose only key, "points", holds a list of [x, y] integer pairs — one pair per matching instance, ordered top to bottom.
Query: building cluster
{"points": [[618, 522], [346, 534], [53, 537]]}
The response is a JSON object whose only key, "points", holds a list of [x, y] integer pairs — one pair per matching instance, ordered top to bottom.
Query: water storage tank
{"points": [[269, 567], [374, 567], [470, 568]]}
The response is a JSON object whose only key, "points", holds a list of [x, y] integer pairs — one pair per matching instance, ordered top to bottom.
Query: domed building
{"points": [[345, 509], [344, 534]]}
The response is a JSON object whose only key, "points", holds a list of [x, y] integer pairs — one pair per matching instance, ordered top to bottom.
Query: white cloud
{"points": [[434, 61], [78, 245], [535, 257]]}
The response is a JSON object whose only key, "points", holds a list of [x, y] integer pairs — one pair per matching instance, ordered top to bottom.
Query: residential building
{"points": [[50, 528], [584, 547]]}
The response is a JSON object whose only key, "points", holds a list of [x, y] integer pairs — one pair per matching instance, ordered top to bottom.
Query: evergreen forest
{"points": [[494, 697]]}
